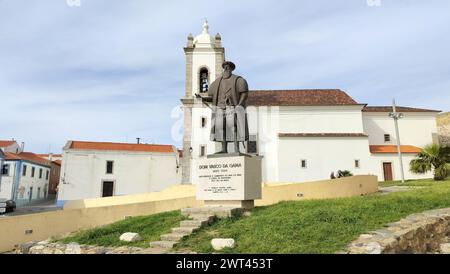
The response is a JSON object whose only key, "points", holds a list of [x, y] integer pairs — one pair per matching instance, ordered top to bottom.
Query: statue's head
{"points": [[228, 68]]}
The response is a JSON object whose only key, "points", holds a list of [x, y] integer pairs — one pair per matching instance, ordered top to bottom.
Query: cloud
{"points": [[112, 70]]}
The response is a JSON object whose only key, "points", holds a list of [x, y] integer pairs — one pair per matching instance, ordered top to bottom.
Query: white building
{"points": [[303, 135], [11, 146], [2, 158], [99, 169], [25, 178]]}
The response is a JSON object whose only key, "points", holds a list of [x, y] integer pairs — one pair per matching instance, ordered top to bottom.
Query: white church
{"points": [[303, 135]]}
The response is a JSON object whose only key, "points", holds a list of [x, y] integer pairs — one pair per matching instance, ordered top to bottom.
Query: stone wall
{"points": [[443, 124], [426, 232], [47, 247]]}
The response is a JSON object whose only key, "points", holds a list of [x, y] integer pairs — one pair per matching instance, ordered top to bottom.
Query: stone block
{"points": [[130, 237], [219, 243]]}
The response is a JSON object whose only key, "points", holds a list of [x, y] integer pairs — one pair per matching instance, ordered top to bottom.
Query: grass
{"points": [[424, 182], [315, 226], [318, 226], [150, 228]]}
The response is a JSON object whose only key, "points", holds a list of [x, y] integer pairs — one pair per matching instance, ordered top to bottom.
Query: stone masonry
{"points": [[198, 217], [427, 232]]}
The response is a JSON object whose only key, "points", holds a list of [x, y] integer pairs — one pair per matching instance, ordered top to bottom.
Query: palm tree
{"points": [[432, 157]]}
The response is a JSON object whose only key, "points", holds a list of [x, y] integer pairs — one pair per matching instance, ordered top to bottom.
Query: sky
{"points": [[113, 70]]}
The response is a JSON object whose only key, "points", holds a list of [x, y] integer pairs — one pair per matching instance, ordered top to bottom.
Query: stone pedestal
{"points": [[230, 180]]}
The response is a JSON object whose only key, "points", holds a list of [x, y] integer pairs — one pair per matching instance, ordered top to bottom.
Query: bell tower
{"points": [[204, 58]]}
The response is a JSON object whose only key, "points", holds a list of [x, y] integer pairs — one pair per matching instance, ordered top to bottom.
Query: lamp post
{"points": [[396, 116]]}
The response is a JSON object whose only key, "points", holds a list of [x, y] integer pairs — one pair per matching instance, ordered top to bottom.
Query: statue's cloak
{"points": [[229, 124]]}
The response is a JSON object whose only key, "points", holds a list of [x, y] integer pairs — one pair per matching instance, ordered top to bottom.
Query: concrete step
{"points": [[219, 211], [203, 217], [194, 223], [185, 229], [173, 237], [163, 244], [154, 250]]}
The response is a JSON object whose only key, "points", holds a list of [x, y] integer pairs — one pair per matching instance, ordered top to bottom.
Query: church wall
{"points": [[321, 119], [415, 129], [323, 156], [379, 159]]}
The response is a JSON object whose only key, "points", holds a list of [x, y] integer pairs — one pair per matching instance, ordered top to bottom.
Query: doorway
{"points": [[387, 170], [108, 189]]}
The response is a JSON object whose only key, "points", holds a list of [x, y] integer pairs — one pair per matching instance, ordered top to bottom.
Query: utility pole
{"points": [[396, 116]]}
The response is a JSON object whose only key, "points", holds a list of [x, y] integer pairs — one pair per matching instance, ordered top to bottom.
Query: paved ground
{"points": [[38, 207]]}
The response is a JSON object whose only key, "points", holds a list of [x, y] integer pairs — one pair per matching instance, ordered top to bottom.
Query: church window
{"points": [[204, 84], [203, 122], [387, 138], [303, 163], [357, 164]]}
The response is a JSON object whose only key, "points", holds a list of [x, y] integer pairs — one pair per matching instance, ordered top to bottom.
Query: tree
{"points": [[432, 157], [344, 173]]}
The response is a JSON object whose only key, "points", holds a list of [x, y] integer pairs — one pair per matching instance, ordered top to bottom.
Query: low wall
{"points": [[337, 188], [173, 192], [84, 214], [44, 225], [421, 233]]}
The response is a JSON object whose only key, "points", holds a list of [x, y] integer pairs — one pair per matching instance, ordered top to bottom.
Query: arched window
{"points": [[204, 80]]}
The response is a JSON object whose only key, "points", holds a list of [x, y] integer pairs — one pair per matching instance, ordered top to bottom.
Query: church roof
{"points": [[204, 40], [300, 97], [399, 109]]}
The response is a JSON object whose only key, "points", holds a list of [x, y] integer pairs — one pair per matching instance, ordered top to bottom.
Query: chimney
{"points": [[138, 140], [22, 147], [50, 156]]}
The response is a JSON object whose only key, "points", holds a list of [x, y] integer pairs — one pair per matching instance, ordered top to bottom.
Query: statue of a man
{"points": [[228, 95]]}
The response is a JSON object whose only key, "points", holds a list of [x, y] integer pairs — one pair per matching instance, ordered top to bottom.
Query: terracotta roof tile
{"points": [[301, 97], [399, 109], [322, 135], [4, 143], [82, 145], [393, 149], [47, 155], [28, 156]]}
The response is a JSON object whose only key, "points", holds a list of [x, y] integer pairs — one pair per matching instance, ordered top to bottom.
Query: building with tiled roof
{"points": [[302, 134], [10, 146], [103, 169], [25, 178]]}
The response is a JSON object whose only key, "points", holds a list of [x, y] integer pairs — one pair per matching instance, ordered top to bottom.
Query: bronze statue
{"points": [[228, 95]]}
